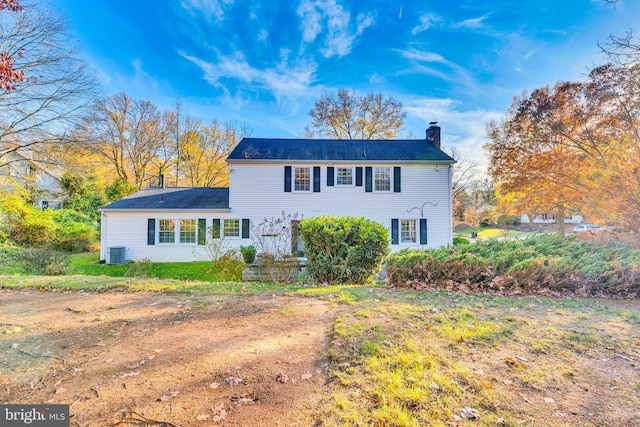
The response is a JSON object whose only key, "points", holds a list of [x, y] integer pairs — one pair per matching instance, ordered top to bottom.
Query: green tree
{"points": [[84, 194]]}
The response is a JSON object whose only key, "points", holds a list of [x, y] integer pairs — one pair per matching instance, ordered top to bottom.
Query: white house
{"points": [[21, 168], [404, 184], [550, 218]]}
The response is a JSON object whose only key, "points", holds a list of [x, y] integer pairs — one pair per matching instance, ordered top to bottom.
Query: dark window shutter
{"points": [[330, 175], [359, 176], [287, 179], [316, 179], [368, 179], [396, 179], [245, 228], [215, 229], [151, 231], [202, 231], [394, 231], [423, 231]]}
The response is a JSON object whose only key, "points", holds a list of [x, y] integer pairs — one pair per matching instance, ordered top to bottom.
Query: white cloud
{"points": [[210, 8], [311, 20], [330, 20], [427, 21], [472, 23], [263, 35], [452, 72], [142, 77], [283, 81], [465, 130]]}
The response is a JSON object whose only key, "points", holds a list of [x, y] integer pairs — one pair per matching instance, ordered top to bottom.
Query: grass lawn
{"points": [[490, 233]]}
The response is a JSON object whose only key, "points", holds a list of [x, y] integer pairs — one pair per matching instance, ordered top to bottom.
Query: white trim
{"points": [[353, 176], [293, 179], [373, 179]]}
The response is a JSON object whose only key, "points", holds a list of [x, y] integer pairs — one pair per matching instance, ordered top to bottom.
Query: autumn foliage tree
{"points": [[9, 76], [348, 115], [574, 146]]}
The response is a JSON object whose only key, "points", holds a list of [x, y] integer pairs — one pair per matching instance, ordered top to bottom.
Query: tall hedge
{"points": [[344, 249]]}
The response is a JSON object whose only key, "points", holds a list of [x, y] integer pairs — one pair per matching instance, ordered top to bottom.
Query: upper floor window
{"points": [[344, 176], [302, 179], [382, 179], [166, 231], [408, 231]]}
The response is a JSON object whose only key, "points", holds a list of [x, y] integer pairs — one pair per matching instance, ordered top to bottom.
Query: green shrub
{"points": [[460, 241], [344, 249], [43, 261], [545, 261]]}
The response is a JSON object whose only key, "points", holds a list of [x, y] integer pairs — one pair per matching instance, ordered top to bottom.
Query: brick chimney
{"points": [[433, 134]]}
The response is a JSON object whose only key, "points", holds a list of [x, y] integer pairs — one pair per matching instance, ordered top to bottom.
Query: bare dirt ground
{"points": [[143, 359], [152, 359]]}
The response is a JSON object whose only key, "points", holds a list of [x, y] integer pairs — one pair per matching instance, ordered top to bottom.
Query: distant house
{"points": [[21, 168], [403, 184], [550, 218]]}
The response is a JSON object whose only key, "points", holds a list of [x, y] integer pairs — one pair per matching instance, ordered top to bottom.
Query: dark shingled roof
{"points": [[338, 150], [174, 198]]}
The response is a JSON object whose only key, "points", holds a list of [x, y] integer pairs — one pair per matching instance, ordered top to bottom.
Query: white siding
{"points": [[257, 191], [129, 229]]}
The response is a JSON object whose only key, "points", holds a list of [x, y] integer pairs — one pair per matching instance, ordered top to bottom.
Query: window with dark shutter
{"points": [[330, 175], [359, 176], [287, 179], [316, 179], [368, 179], [396, 179], [215, 228], [245, 228], [151, 231], [202, 231], [394, 231], [423, 231]]}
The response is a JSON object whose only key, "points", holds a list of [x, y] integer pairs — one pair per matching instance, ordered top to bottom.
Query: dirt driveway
{"points": [[166, 360]]}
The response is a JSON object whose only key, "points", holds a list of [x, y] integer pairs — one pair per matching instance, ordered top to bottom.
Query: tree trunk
{"points": [[560, 219]]}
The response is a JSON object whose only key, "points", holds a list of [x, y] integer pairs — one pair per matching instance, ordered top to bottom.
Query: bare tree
{"points": [[57, 91], [348, 115], [129, 134], [204, 150], [463, 180]]}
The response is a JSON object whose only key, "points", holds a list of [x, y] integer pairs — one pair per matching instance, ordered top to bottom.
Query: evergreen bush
{"points": [[344, 249]]}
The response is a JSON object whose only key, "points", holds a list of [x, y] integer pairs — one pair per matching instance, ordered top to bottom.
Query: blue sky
{"points": [[265, 62]]}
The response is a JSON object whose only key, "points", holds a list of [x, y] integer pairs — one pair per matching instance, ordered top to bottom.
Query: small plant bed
{"points": [[542, 264]]}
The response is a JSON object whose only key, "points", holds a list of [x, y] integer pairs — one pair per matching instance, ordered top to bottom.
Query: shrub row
{"points": [[545, 264]]}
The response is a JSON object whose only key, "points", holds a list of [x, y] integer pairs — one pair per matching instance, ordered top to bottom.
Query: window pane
{"points": [[344, 176], [302, 179], [382, 179], [231, 228], [167, 231], [188, 231], [408, 231]]}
